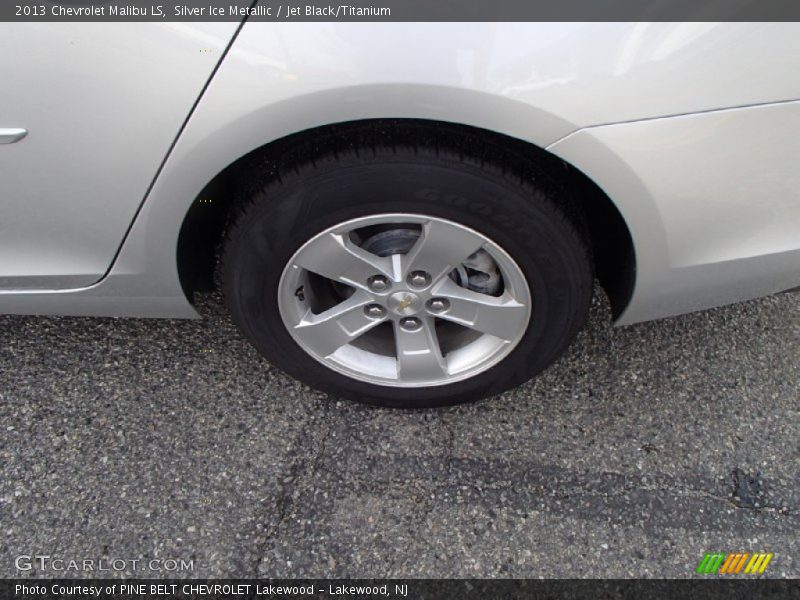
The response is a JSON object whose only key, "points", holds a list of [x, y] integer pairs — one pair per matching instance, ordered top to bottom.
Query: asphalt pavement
{"points": [[170, 448]]}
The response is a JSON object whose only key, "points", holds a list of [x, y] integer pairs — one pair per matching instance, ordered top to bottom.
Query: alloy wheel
{"points": [[404, 300]]}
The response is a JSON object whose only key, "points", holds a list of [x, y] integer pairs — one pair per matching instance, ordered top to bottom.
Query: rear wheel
{"points": [[406, 277]]}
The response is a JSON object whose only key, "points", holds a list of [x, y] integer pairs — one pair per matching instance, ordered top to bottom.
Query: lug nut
{"points": [[419, 279], [378, 283], [438, 305], [374, 311], [410, 323]]}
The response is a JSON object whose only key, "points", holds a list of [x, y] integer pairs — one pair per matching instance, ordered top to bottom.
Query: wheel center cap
{"points": [[404, 303]]}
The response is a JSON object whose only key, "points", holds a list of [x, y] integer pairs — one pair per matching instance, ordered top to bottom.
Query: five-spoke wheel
{"points": [[405, 300]]}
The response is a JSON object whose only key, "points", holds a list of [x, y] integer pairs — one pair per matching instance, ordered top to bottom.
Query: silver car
{"points": [[404, 214]]}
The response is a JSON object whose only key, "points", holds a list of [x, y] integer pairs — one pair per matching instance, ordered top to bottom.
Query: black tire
{"points": [[522, 213]]}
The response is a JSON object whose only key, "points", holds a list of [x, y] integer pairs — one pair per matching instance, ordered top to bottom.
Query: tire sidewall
{"points": [[522, 221]]}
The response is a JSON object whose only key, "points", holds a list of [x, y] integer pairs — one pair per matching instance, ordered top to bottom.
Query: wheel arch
{"points": [[204, 223]]}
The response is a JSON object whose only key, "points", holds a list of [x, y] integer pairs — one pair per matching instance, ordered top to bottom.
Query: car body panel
{"points": [[553, 85], [102, 103], [712, 201]]}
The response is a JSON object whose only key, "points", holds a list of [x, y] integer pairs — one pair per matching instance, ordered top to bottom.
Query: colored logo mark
{"points": [[734, 563]]}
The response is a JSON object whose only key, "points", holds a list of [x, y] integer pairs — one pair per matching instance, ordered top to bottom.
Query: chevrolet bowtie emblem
{"points": [[404, 304]]}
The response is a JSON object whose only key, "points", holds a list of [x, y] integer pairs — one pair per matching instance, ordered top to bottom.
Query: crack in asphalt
{"points": [[450, 443], [303, 469], [576, 488], [783, 511]]}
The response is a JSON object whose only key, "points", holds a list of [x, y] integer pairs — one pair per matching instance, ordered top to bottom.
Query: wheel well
{"points": [[601, 223]]}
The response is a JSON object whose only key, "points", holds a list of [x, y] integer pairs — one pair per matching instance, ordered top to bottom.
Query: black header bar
{"points": [[399, 10]]}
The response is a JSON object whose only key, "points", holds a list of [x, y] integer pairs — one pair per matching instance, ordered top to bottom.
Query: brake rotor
{"points": [[478, 272]]}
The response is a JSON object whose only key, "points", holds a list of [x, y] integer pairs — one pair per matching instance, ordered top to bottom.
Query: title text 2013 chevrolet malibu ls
{"points": [[406, 214]]}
